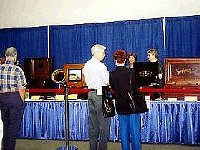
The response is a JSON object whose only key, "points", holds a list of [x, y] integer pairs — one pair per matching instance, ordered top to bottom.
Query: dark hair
{"points": [[132, 54], [119, 56], [2, 60]]}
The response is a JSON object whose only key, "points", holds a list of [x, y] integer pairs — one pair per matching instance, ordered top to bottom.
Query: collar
{"points": [[95, 59], [9, 62], [120, 65]]}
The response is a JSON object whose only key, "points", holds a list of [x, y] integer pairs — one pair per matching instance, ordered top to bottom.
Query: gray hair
{"points": [[97, 47], [11, 51]]}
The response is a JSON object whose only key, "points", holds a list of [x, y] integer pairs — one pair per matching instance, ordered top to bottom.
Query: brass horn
{"points": [[58, 76]]}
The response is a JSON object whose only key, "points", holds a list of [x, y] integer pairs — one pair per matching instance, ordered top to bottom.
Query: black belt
{"points": [[93, 89], [15, 92]]}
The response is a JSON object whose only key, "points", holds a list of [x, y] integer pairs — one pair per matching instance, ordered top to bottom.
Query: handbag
{"points": [[107, 102], [137, 103]]}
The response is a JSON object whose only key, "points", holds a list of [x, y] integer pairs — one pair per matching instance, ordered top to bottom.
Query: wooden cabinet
{"points": [[182, 73], [74, 75]]}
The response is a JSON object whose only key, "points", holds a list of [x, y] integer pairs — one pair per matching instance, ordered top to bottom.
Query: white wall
{"points": [[28, 13]]}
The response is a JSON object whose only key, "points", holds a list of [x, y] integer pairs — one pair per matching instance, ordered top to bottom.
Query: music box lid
{"points": [[182, 71]]}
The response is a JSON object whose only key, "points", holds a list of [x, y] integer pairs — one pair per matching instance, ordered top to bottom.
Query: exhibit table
{"points": [[166, 122]]}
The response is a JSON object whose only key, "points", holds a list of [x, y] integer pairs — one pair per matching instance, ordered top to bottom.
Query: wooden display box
{"points": [[182, 73], [74, 75], [75, 80]]}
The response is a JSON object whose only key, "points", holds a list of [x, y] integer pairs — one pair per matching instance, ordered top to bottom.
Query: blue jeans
{"points": [[129, 126]]}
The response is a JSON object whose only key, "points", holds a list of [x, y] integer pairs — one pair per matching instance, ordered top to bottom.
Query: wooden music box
{"points": [[182, 73], [74, 75]]}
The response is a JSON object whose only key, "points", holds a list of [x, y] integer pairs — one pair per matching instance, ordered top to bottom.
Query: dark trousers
{"points": [[12, 108], [98, 125]]}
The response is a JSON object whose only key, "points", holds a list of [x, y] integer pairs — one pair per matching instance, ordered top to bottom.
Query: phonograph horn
{"points": [[58, 76]]}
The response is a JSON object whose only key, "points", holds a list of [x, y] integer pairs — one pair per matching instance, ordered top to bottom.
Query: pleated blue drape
{"points": [[183, 36], [30, 42], [72, 43], [166, 122]]}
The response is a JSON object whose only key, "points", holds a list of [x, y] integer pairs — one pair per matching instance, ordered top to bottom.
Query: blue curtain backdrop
{"points": [[183, 36], [30, 42], [72, 43]]}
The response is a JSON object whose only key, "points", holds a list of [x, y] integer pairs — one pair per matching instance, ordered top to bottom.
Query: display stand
{"points": [[64, 91], [67, 146]]}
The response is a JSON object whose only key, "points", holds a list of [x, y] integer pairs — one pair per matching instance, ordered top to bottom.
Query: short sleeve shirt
{"points": [[11, 77]]}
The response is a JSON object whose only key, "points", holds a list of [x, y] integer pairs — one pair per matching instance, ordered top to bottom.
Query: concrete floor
{"points": [[25, 144]]}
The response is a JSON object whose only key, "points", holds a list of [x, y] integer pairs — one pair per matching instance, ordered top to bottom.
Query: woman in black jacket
{"points": [[129, 120]]}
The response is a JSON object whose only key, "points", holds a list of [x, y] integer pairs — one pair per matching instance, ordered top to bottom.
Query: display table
{"points": [[166, 122]]}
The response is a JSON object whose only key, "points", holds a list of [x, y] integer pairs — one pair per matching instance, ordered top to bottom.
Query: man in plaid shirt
{"points": [[12, 91], [1, 123]]}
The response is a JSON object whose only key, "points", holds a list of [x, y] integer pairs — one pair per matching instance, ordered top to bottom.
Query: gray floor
{"points": [[25, 144]]}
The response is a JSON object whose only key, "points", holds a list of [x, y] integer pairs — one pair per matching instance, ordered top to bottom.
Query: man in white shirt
{"points": [[96, 76]]}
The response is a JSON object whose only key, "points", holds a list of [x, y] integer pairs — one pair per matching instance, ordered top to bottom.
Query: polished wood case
{"points": [[182, 73], [74, 75]]}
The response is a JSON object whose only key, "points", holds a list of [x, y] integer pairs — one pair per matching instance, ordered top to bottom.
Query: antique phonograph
{"points": [[58, 77], [69, 80], [72, 80]]}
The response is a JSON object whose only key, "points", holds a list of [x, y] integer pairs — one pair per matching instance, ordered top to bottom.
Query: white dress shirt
{"points": [[96, 75]]}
